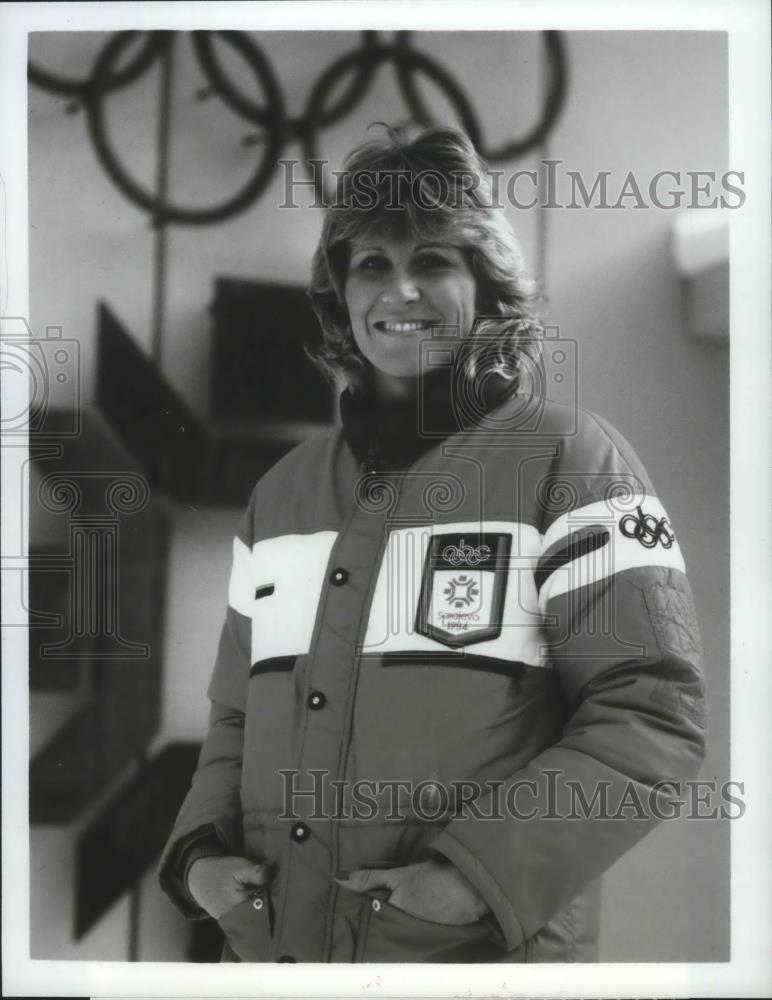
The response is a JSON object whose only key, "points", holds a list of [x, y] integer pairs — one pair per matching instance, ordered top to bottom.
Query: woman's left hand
{"points": [[430, 890]]}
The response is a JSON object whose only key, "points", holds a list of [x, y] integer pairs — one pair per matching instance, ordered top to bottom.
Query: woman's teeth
{"points": [[412, 327]]}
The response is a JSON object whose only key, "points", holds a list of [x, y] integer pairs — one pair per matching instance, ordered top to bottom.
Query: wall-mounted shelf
{"points": [[257, 418]]}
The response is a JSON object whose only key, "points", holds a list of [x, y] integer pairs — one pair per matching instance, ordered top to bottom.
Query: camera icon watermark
{"points": [[471, 368], [41, 381]]}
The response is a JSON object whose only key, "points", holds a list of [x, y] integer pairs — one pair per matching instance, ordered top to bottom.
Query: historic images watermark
{"points": [[552, 186], [550, 795]]}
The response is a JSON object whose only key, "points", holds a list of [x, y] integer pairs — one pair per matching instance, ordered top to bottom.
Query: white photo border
{"points": [[748, 971]]}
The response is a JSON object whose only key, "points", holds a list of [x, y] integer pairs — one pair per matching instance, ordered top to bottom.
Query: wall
{"points": [[640, 101], [613, 286]]}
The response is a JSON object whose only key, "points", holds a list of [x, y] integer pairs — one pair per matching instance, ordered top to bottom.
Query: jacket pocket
{"points": [[247, 927], [388, 934]]}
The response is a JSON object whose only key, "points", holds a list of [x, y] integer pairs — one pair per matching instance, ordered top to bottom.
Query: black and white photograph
{"points": [[386, 487]]}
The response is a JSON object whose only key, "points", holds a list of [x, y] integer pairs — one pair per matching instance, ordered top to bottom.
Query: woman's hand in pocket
{"points": [[219, 883], [430, 890]]}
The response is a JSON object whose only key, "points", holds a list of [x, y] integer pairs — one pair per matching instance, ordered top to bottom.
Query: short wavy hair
{"points": [[447, 194]]}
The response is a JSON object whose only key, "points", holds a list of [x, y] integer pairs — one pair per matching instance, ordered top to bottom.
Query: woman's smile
{"points": [[402, 326]]}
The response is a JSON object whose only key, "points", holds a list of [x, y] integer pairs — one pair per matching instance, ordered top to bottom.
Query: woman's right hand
{"points": [[219, 883]]}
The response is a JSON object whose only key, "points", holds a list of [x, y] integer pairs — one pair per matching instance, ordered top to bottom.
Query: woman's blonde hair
{"points": [[427, 182]]}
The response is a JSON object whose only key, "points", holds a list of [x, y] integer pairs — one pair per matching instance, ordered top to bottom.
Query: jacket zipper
{"points": [[350, 716], [284, 887]]}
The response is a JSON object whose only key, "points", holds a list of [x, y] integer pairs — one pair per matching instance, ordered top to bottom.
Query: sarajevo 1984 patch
{"points": [[463, 587]]}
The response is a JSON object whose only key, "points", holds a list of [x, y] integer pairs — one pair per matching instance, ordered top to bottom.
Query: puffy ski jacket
{"points": [[468, 637]]}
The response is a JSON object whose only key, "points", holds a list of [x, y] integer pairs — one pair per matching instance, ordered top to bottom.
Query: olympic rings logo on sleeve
{"points": [[647, 529]]}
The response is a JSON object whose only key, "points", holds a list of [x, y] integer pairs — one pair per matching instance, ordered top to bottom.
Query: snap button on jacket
{"points": [[497, 614]]}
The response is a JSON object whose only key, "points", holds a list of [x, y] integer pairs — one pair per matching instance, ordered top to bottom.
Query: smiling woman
{"points": [[398, 292], [464, 588]]}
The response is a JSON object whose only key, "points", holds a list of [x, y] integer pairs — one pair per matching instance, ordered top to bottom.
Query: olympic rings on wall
{"points": [[357, 69], [164, 211]]}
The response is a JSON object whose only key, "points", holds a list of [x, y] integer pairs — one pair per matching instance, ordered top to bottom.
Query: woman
{"points": [[460, 652]]}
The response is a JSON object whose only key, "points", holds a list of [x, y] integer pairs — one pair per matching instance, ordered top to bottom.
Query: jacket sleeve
{"points": [[621, 632], [209, 821]]}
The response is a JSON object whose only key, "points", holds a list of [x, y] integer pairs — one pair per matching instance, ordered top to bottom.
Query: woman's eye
{"points": [[433, 260], [371, 263]]}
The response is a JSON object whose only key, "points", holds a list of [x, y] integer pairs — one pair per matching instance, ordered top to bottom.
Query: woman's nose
{"points": [[401, 289]]}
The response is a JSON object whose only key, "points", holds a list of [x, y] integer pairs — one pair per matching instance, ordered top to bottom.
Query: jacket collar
{"points": [[388, 435]]}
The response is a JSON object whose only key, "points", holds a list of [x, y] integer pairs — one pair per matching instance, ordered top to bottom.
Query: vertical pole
{"points": [[162, 187], [160, 251]]}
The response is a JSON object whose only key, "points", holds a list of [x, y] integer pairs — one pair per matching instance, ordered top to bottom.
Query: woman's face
{"points": [[396, 291]]}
